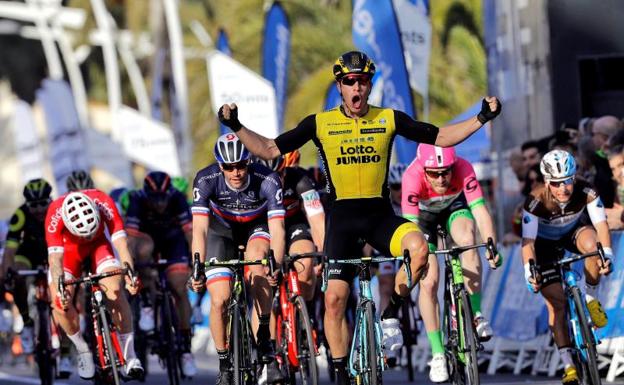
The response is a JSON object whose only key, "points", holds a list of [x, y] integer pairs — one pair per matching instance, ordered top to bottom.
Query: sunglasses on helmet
{"points": [[351, 80], [234, 166], [435, 174], [565, 182], [38, 203]]}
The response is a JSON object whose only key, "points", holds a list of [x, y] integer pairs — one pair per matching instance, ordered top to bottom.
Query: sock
{"points": [[591, 291], [475, 302], [392, 311], [264, 334], [435, 339], [126, 340], [186, 340], [79, 343], [566, 356], [224, 359], [340, 367]]}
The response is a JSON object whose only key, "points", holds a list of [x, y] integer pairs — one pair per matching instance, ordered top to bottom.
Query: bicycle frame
{"points": [[570, 278]]}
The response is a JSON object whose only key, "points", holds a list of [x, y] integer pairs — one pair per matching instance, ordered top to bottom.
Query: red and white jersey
{"points": [[418, 194], [58, 236]]}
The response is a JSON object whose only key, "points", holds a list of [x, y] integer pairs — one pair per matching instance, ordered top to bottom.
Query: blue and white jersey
{"points": [[260, 196], [544, 217]]}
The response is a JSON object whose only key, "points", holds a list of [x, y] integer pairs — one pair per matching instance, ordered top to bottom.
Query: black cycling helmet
{"points": [[353, 62], [276, 164], [79, 180], [157, 183], [37, 190]]}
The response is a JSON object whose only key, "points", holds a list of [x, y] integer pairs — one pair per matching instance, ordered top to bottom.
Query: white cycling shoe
{"points": [[484, 330], [392, 336], [86, 367], [133, 368], [189, 369], [438, 371]]}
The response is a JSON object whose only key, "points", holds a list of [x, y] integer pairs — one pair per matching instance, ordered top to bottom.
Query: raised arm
{"points": [[456, 133], [256, 143]]}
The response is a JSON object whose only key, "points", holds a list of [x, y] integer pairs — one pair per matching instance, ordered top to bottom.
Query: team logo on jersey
{"points": [[377, 130], [339, 132], [358, 154], [196, 195], [252, 195], [526, 219]]}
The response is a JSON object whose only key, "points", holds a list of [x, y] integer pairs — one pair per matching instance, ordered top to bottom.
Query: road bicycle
{"points": [[579, 321], [296, 338], [240, 340], [461, 340], [45, 353], [109, 357], [366, 357]]}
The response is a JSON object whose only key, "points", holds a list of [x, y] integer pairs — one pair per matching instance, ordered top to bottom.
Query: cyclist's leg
{"points": [[300, 242], [177, 252], [385, 276], [261, 292], [20, 298]]}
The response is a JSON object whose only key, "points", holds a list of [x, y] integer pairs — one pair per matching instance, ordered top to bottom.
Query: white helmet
{"points": [[229, 149], [558, 165], [395, 173], [80, 215]]}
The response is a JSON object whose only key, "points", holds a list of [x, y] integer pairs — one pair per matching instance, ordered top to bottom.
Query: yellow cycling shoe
{"points": [[597, 314], [569, 376]]}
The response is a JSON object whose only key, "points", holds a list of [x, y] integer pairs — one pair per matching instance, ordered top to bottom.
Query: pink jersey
{"points": [[418, 194], [58, 237]]}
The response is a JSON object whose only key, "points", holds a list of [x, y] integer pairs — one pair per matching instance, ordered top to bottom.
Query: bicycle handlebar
{"points": [[456, 250], [577, 257], [288, 259]]}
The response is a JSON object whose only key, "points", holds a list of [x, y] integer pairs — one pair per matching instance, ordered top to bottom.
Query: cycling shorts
{"points": [[428, 221], [351, 223], [297, 232], [174, 249], [99, 253], [32, 254]]}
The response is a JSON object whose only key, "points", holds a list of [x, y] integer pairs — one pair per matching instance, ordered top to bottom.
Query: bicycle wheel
{"points": [[407, 317], [468, 342], [451, 344], [108, 346], [235, 346], [306, 351], [172, 356], [588, 356], [45, 361], [371, 370]]}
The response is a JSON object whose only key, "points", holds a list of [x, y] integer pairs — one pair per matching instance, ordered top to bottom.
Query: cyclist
{"points": [[354, 141], [79, 180], [440, 188], [238, 203], [564, 214], [305, 218], [158, 221], [77, 226], [26, 249]]}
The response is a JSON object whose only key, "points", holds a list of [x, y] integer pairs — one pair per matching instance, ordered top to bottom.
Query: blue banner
{"points": [[376, 32], [223, 45], [275, 56]]}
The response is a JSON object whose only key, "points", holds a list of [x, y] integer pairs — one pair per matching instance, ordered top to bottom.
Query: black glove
{"points": [[486, 114], [233, 121]]}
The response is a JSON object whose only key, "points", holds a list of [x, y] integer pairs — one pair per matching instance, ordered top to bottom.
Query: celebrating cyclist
{"points": [[354, 141], [440, 188], [238, 203], [564, 214], [305, 218], [158, 222], [76, 229], [26, 249]]}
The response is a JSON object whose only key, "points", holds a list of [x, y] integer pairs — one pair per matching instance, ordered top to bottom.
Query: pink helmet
{"points": [[430, 156]]}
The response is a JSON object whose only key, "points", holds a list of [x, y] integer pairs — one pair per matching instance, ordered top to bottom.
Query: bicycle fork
{"points": [[99, 317]]}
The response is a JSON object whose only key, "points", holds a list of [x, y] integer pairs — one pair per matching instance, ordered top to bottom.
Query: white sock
{"points": [[591, 291], [126, 341], [79, 343], [566, 357]]}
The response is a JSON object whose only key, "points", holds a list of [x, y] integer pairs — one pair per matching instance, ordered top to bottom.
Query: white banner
{"points": [[413, 17], [231, 82], [148, 142], [27, 146], [68, 151]]}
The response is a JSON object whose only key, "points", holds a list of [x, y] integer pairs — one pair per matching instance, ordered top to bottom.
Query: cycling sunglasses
{"points": [[351, 80], [234, 166], [435, 174], [558, 183], [37, 204]]}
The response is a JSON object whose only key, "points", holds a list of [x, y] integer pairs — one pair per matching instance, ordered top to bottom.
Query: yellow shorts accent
{"points": [[397, 237], [23, 260]]}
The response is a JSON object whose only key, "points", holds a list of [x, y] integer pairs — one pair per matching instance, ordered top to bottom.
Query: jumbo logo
{"points": [[358, 154]]}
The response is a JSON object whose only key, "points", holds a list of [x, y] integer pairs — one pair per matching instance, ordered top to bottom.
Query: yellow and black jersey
{"points": [[356, 152]]}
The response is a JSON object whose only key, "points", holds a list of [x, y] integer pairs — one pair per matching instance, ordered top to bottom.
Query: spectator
{"points": [[603, 129], [531, 154], [615, 215]]}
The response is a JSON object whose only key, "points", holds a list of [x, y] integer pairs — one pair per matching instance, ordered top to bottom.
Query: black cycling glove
{"points": [[486, 113], [233, 121]]}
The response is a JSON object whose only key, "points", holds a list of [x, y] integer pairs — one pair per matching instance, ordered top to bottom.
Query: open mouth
{"points": [[356, 100]]}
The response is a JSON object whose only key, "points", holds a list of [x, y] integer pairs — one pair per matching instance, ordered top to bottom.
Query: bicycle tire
{"points": [[406, 325], [470, 342], [451, 344], [108, 346], [235, 346], [306, 351], [172, 359], [45, 361], [589, 361], [371, 368]]}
